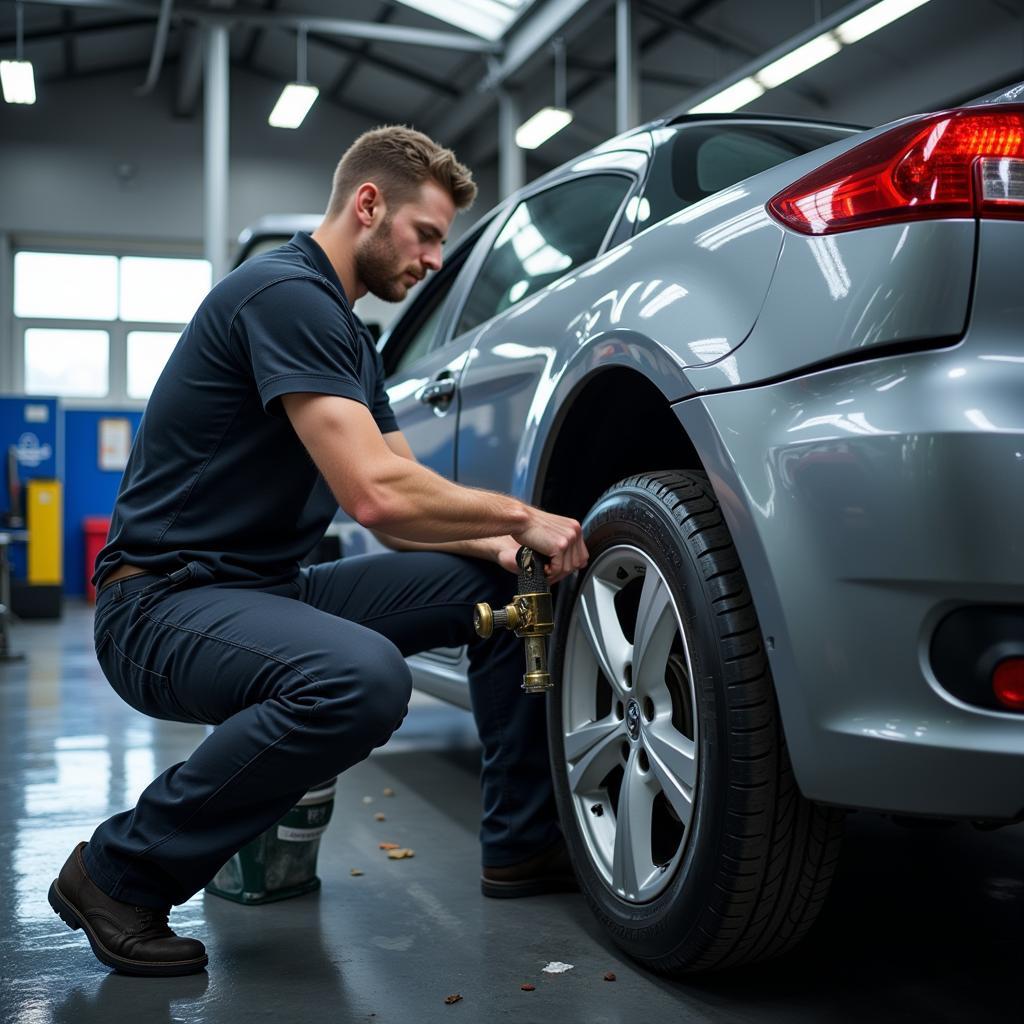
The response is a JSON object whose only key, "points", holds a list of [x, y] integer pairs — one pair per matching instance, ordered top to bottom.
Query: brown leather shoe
{"points": [[547, 871], [132, 940]]}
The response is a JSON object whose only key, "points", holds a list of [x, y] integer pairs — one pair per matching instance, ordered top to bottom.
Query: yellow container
{"points": [[44, 514]]}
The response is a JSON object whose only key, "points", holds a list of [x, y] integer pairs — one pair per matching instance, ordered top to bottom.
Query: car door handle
{"points": [[438, 392]]}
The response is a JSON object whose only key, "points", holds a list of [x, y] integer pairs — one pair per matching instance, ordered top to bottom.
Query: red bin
{"points": [[96, 529]]}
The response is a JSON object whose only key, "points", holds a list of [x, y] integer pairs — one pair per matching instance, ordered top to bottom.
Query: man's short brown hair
{"points": [[398, 160]]}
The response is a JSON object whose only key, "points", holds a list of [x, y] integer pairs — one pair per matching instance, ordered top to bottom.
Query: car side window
{"points": [[695, 161], [543, 239], [425, 333]]}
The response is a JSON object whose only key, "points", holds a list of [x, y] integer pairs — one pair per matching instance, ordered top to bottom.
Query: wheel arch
{"points": [[615, 422]]}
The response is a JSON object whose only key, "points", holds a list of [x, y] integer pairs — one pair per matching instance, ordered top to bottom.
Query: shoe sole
{"points": [[528, 887], [67, 913]]}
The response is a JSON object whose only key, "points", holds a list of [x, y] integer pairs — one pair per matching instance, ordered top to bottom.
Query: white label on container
{"points": [[37, 414], [299, 835]]}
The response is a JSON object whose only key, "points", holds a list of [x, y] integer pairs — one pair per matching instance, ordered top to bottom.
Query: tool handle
{"points": [[532, 579]]}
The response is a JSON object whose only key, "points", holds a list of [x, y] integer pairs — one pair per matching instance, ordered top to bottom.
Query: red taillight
{"points": [[961, 163], [1008, 683]]}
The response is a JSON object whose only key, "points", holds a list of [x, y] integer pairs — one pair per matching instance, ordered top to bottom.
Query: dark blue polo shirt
{"points": [[216, 474]]}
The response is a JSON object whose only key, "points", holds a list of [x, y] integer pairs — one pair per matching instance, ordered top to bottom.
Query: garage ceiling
{"points": [[683, 48]]}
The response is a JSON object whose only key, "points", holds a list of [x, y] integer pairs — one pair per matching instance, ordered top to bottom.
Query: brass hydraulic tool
{"points": [[529, 616]]}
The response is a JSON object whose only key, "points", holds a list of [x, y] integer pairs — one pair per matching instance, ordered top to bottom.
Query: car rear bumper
{"points": [[867, 503]]}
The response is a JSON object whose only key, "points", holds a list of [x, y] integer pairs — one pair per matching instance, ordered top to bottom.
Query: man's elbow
{"points": [[375, 512]]}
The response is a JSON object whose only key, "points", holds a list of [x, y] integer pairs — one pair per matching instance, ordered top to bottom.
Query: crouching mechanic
{"points": [[269, 414]]}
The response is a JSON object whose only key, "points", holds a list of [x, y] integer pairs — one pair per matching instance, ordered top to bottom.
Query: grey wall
{"points": [[60, 159]]}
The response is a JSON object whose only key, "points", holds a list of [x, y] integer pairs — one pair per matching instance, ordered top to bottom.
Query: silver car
{"points": [[776, 368]]}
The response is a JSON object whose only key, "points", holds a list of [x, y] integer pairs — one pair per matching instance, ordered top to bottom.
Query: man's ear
{"points": [[369, 204]]}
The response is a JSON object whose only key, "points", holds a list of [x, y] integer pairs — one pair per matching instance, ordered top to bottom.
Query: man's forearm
{"points": [[409, 502], [485, 548]]}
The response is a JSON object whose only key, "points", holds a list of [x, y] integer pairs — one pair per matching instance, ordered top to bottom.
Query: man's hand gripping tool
{"points": [[528, 616]]}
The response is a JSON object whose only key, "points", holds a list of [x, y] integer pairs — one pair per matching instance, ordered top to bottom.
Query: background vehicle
{"points": [[775, 368]]}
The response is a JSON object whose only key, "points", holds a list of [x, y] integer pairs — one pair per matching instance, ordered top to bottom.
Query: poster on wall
{"points": [[115, 443]]}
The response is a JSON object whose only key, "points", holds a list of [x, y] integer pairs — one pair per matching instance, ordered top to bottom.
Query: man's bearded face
{"points": [[380, 266]]}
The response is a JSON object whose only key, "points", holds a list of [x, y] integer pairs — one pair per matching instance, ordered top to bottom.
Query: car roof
{"points": [[1007, 94]]}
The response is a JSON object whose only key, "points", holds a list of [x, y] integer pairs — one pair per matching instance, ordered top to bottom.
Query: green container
{"points": [[281, 863]]}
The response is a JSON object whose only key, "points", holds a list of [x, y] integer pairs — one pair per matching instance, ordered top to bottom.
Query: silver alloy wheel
{"points": [[630, 723]]}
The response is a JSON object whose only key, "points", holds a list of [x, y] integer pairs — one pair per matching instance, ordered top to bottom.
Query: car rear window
{"points": [[697, 160]]}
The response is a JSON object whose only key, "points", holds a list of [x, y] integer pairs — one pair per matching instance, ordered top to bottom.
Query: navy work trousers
{"points": [[302, 680]]}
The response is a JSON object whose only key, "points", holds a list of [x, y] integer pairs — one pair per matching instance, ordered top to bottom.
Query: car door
{"points": [[548, 235]]}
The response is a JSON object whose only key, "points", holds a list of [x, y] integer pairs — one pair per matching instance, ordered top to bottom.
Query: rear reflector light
{"points": [[961, 163], [1008, 683]]}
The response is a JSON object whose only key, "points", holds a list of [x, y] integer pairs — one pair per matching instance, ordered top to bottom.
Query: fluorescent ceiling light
{"points": [[487, 18], [874, 18], [799, 60], [18, 82], [736, 96], [293, 105], [538, 129]]}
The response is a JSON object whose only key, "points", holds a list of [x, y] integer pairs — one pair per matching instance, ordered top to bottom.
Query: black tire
{"points": [[754, 863]]}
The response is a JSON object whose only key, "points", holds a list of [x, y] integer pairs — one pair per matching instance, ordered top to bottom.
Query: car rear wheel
{"points": [[692, 843]]}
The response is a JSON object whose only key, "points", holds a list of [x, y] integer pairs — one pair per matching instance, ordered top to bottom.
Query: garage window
{"points": [[97, 327], [68, 362]]}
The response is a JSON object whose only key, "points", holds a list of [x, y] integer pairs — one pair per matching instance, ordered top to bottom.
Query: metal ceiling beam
{"points": [[312, 23], [545, 23], [686, 25], [68, 28], [256, 36], [521, 45], [392, 66], [342, 79]]}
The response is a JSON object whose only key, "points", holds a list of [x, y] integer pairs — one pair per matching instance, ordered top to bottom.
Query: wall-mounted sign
{"points": [[37, 413], [115, 442], [30, 452]]}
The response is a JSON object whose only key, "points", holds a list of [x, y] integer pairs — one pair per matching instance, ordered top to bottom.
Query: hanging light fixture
{"points": [[16, 75], [297, 97], [548, 121]]}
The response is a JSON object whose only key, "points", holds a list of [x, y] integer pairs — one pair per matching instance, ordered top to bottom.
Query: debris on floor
{"points": [[388, 791], [367, 799], [379, 817], [388, 846], [401, 853], [356, 872], [557, 967], [609, 975], [528, 987], [454, 998]]}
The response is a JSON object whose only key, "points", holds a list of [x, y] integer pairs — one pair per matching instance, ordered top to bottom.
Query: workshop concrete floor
{"points": [[921, 925]]}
